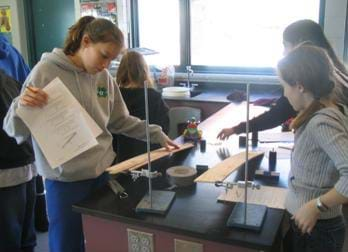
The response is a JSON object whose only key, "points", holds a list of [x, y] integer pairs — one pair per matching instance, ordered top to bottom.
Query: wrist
{"points": [[321, 206]]}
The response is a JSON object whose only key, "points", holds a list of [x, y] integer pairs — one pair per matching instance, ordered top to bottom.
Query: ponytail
{"points": [[99, 30], [73, 40], [306, 114]]}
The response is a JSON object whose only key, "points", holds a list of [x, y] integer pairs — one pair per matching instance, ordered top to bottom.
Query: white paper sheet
{"points": [[62, 128], [273, 137], [270, 196]]}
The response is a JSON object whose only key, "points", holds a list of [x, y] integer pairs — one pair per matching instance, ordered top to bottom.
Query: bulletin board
{"points": [[104, 9]]}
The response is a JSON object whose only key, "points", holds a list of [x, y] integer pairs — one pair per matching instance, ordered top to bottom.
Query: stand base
{"points": [[161, 201], [254, 219]]}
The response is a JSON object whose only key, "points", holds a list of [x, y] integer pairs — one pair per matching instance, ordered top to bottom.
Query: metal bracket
{"points": [[144, 173], [239, 184], [117, 189]]}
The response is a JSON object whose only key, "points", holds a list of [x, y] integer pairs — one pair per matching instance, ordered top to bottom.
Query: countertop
{"points": [[219, 94], [195, 211]]}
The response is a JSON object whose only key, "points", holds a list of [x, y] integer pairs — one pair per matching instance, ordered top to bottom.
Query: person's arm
{"points": [[278, 114], [13, 125], [332, 137]]}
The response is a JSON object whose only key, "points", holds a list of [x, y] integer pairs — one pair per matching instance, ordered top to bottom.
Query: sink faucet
{"points": [[189, 74], [188, 84]]}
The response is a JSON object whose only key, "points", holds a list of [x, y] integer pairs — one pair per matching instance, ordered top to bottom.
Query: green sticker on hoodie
{"points": [[102, 92]]}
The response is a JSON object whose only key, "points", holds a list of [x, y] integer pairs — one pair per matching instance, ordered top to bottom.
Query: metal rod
{"points": [[148, 138], [246, 154]]}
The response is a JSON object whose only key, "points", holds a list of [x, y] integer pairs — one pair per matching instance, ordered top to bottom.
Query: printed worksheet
{"points": [[63, 129]]}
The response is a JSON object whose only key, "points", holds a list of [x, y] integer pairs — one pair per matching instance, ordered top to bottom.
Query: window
{"points": [[159, 29], [223, 35]]}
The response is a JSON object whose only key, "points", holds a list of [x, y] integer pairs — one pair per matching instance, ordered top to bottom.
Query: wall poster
{"points": [[5, 22]]}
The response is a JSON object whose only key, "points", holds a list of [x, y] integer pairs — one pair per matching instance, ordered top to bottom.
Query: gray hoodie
{"points": [[101, 98]]}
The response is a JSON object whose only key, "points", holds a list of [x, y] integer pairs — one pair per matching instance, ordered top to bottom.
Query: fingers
{"points": [[33, 97], [225, 134], [222, 135], [169, 144], [304, 227], [309, 230]]}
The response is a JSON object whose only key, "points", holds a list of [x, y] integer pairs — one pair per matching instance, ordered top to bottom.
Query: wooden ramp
{"points": [[140, 160], [226, 167], [273, 197]]}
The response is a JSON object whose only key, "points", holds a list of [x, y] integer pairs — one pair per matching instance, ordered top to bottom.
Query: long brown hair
{"points": [[98, 30], [310, 31], [311, 67], [133, 69]]}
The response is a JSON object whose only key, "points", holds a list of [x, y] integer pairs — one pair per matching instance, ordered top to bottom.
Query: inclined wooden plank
{"points": [[140, 160], [220, 171], [273, 197]]}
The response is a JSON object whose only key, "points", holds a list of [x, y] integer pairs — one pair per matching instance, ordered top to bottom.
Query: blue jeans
{"points": [[17, 231], [65, 232], [327, 236]]}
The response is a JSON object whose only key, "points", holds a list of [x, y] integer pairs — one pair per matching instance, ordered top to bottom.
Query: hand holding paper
{"points": [[33, 97], [62, 128]]}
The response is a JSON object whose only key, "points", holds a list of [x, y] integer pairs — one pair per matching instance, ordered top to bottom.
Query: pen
{"points": [[31, 89]]}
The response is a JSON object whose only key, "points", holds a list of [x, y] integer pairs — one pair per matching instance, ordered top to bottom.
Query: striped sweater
{"points": [[319, 160]]}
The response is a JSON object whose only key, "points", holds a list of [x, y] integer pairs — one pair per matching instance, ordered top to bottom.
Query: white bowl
{"points": [[176, 92], [181, 175]]}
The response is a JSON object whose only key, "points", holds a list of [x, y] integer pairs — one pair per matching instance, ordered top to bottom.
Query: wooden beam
{"points": [[140, 160], [220, 171]]}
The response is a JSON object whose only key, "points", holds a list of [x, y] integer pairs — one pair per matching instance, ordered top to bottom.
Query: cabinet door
{"points": [[49, 22]]}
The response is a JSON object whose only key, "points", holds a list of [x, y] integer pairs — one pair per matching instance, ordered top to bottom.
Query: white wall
{"points": [[334, 24], [19, 35]]}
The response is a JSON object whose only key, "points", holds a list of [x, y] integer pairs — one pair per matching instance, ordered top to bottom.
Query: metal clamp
{"points": [[144, 173], [239, 184], [250, 184], [117, 189]]}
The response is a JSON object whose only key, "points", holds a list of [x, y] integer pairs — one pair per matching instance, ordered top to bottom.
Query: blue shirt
{"points": [[12, 62]]}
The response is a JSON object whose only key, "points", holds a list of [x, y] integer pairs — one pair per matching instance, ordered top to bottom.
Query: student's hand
{"points": [[33, 97], [225, 133], [169, 144], [306, 217]]}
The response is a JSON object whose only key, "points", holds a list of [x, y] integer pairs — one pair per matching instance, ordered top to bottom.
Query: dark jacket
{"points": [[278, 114], [126, 147], [12, 155]]}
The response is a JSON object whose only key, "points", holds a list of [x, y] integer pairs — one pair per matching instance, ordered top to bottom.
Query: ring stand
{"points": [[154, 201], [245, 215]]}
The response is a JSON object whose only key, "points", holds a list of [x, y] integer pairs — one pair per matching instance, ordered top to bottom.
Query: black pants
{"points": [[17, 232], [327, 236]]}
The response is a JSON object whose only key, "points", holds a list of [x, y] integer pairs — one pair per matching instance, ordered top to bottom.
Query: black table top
{"points": [[195, 211]]}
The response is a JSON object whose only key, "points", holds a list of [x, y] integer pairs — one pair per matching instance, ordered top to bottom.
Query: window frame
{"points": [[185, 43], [345, 48]]}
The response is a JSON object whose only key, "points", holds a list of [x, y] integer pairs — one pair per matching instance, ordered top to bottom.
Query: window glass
{"points": [[159, 30], [243, 33]]}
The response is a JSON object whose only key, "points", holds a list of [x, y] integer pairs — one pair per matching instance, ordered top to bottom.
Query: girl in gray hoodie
{"points": [[90, 46]]}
